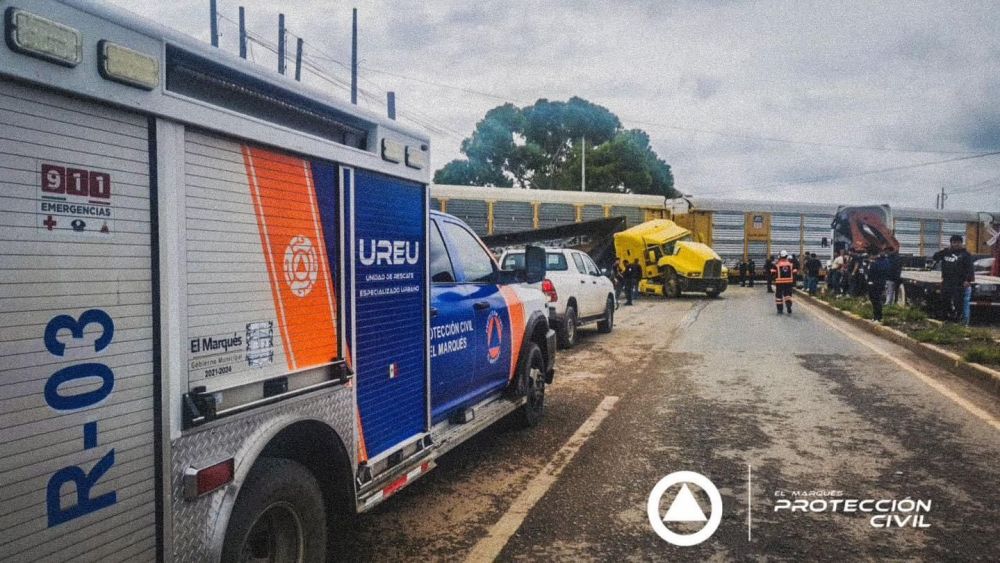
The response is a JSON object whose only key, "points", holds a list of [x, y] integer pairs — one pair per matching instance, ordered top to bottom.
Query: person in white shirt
{"points": [[836, 271]]}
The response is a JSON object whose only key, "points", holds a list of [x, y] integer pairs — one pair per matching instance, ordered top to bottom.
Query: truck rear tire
{"points": [[606, 324], [567, 333], [532, 379], [279, 516]]}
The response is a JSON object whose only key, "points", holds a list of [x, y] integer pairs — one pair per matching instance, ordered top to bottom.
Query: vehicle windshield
{"points": [[554, 262]]}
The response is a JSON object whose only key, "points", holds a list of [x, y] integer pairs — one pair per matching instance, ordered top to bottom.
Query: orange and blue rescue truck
{"points": [[225, 302]]}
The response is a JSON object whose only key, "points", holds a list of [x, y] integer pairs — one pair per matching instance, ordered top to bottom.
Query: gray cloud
{"points": [[899, 74]]}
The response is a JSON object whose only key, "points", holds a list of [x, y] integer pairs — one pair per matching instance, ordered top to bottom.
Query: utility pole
{"points": [[213, 11], [243, 32], [281, 43], [354, 56], [298, 60], [390, 102], [583, 165], [941, 198]]}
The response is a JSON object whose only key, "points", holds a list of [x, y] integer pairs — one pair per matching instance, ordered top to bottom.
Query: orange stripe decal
{"points": [[295, 253], [515, 313], [362, 449]]}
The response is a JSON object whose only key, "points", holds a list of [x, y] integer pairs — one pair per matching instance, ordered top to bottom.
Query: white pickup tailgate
{"points": [[76, 331]]}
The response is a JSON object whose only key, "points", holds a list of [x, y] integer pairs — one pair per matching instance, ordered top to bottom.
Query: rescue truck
{"points": [[226, 309]]}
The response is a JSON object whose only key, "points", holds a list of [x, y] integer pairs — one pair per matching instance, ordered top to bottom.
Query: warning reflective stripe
{"points": [[284, 201], [515, 312], [398, 484]]}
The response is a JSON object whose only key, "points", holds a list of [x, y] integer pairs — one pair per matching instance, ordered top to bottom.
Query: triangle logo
{"points": [[685, 508]]}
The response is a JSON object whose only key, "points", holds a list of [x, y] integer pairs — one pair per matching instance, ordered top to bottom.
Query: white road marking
{"points": [[937, 386], [749, 503], [488, 548]]}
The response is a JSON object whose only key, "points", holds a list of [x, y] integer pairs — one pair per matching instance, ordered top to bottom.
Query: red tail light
{"points": [[550, 290], [202, 481]]}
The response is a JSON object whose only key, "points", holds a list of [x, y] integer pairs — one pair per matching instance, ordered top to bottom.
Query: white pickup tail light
{"points": [[43, 38], [129, 67]]}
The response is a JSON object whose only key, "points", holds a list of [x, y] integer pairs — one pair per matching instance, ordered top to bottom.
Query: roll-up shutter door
{"points": [[76, 331]]}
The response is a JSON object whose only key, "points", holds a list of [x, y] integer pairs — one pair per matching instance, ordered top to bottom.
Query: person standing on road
{"points": [[768, 266], [813, 266], [836, 270], [751, 271], [878, 271], [633, 272], [743, 272], [783, 273], [855, 273], [895, 277], [957, 277], [618, 278]]}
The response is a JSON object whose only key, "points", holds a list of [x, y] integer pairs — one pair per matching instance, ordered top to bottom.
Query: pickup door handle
{"points": [[583, 281], [482, 305], [434, 312]]}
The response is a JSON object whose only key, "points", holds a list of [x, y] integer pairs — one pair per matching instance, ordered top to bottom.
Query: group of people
{"points": [[876, 275], [879, 275]]}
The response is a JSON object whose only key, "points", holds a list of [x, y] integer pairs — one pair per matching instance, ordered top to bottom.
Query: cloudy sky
{"points": [[829, 101]]}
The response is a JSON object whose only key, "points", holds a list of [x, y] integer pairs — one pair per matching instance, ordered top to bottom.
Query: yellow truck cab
{"points": [[671, 261]]}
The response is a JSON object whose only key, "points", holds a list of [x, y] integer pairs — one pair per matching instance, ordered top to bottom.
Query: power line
{"points": [[674, 127], [793, 141], [822, 179]]}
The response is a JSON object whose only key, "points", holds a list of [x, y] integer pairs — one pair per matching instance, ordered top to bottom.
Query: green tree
{"points": [[539, 146]]}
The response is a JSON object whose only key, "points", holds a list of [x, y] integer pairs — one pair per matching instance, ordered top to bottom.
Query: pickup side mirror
{"points": [[534, 264]]}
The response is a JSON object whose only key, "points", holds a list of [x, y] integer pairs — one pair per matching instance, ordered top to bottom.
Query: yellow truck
{"points": [[671, 261]]}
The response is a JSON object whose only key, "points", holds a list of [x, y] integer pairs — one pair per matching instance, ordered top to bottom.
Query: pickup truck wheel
{"points": [[671, 285], [605, 325], [567, 334], [532, 375], [279, 516]]}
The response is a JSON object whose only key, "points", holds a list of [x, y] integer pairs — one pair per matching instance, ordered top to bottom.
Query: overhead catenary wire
{"points": [[823, 179]]}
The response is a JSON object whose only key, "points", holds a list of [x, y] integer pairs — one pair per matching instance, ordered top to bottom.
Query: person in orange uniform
{"points": [[783, 273]]}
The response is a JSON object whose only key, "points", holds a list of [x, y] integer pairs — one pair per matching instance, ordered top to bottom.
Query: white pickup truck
{"points": [[578, 292]]}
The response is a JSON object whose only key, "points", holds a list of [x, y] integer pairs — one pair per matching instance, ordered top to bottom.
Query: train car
{"points": [[492, 211], [747, 229]]}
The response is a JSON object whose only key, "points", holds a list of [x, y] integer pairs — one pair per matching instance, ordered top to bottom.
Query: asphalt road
{"points": [[808, 408]]}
